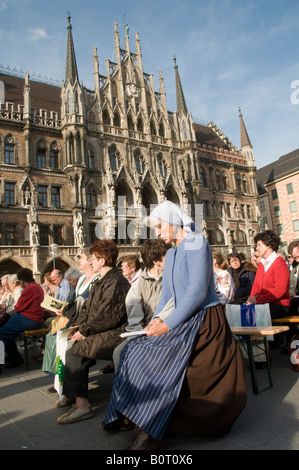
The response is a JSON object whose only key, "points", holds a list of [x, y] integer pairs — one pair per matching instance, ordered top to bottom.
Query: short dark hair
{"points": [[269, 238], [106, 249], [153, 250], [234, 255], [25, 274]]}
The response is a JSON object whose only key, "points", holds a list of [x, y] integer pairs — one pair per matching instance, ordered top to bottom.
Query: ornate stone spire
{"points": [[71, 71], [180, 99], [245, 141]]}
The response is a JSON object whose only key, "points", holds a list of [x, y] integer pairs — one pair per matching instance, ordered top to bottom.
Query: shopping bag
{"points": [[248, 315], [63, 344]]}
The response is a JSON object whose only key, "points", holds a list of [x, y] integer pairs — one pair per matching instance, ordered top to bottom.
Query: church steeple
{"points": [[71, 71], [180, 99], [245, 141], [246, 146]]}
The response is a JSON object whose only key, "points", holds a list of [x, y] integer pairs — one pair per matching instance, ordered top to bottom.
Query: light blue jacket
{"points": [[189, 279]]}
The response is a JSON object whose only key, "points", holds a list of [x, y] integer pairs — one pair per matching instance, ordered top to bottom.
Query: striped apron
{"points": [[150, 376]]}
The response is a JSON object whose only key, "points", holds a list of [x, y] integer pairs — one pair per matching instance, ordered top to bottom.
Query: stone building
{"points": [[79, 164], [278, 188]]}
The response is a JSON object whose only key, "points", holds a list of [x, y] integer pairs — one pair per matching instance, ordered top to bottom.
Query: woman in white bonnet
{"points": [[186, 374]]}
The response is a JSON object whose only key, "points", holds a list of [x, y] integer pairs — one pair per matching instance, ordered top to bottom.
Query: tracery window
{"points": [[139, 162]]}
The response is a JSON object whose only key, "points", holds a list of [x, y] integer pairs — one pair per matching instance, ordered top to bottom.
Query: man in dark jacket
{"points": [[99, 324]]}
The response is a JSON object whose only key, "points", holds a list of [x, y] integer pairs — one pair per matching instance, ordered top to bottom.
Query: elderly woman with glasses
{"points": [[100, 322], [186, 371]]}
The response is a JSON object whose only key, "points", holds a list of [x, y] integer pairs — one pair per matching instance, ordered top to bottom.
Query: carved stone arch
{"points": [[106, 117], [116, 119], [130, 121], [140, 124], [153, 128], [161, 129], [124, 190], [171, 194], [149, 196], [220, 236], [241, 237], [61, 263], [11, 265]]}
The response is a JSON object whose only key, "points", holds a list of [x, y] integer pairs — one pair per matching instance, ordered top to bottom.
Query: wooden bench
{"points": [[291, 319], [250, 333], [33, 335]]}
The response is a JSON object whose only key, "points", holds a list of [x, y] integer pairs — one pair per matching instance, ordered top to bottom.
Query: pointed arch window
{"points": [[116, 120], [140, 125], [153, 128], [161, 130], [9, 151], [54, 156], [114, 157], [41, 158], [90, 159], [139, 162], [161, 165], [203, 178], [218, 179], [224, 181], [238, 182], [244, 184], [91, 196]]}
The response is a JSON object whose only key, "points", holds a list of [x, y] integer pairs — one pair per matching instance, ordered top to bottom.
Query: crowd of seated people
{"points": [[103, 302]]}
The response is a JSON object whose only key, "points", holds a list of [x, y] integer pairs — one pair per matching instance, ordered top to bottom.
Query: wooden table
{"points": [[250, 333]]}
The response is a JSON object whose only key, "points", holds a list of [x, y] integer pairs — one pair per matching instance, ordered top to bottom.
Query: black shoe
{"points": [[117, 425]]}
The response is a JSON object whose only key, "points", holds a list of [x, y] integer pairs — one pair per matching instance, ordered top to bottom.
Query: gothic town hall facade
{"points": [[79, 164]]}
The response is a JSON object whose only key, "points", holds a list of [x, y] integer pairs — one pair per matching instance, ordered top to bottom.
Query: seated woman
{"points": [[131, 268], [243, 276], [272, 280], [224, 284], [144, 295], [28, 315], [100, 322], [152, 387]]}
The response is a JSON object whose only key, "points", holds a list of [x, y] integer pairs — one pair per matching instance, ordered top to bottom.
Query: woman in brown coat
{"points": [[101, 320]]}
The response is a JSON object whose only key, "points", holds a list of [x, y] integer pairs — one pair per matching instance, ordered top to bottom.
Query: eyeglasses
{"points": [[94, 257]]}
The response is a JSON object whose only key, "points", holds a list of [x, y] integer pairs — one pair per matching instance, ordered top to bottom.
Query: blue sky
{"points": [[230, 54]]}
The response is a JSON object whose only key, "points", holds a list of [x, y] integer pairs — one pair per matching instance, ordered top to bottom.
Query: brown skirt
{"points": [[214, 389]]}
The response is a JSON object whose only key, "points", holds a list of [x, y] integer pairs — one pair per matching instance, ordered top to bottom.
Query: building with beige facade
{"points": [[79, 164], [278, 187]]}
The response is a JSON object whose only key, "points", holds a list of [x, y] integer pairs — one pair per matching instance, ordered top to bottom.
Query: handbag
{"points": [[58, 324]]}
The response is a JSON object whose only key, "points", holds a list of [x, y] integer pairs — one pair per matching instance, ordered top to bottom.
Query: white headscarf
{"points": [[173, 215]]}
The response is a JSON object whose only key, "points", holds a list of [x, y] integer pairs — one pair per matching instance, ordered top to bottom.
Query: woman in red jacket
{"points": [[272, 280], [28, 315]]}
